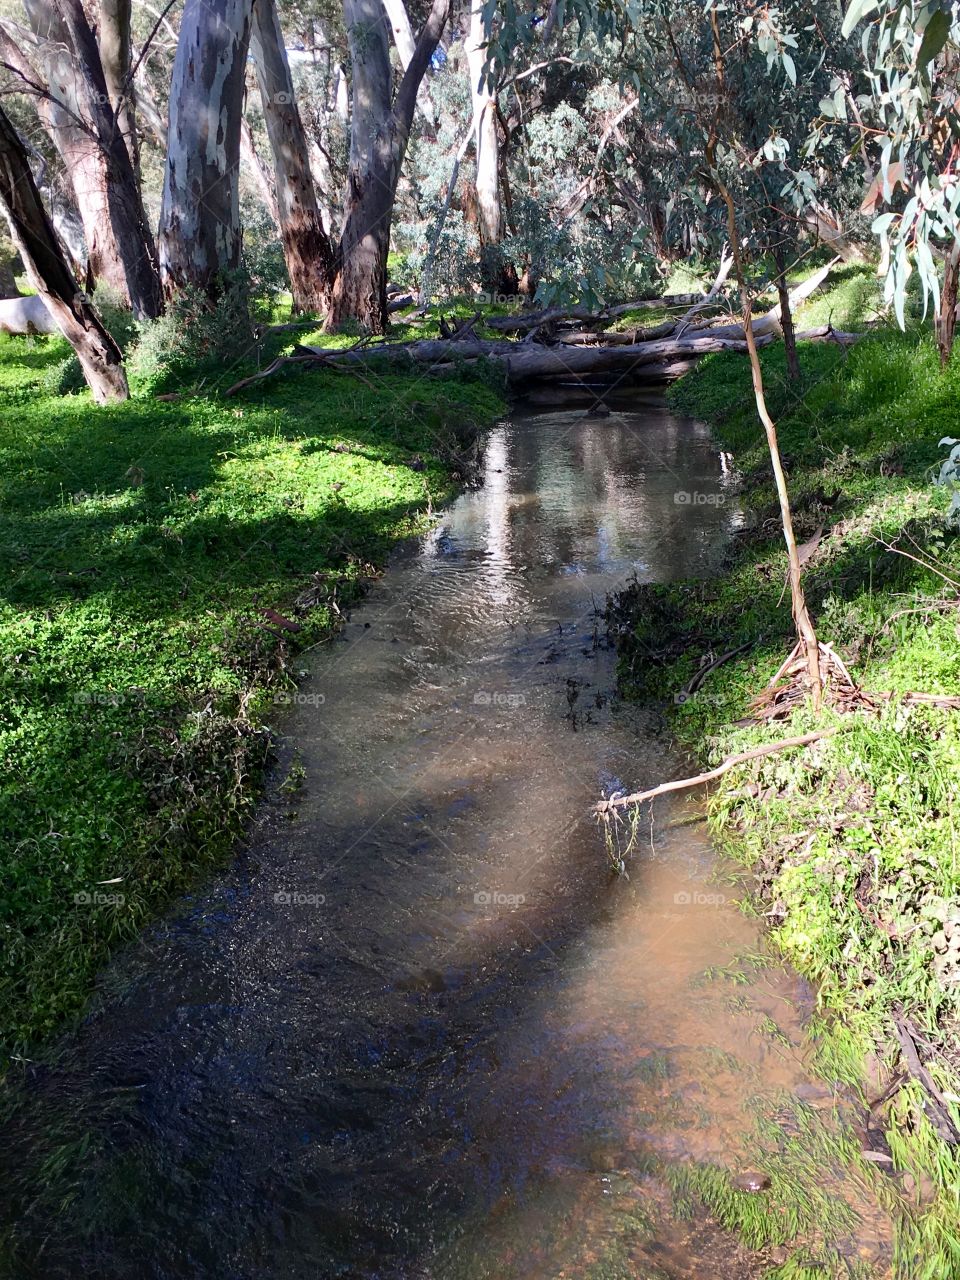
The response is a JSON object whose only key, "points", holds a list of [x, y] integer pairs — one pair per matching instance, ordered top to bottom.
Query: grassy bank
{"points": [[162, 564], [856, 841]]}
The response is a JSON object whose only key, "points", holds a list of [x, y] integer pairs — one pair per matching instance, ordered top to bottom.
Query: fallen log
{"points": [[726, 262], [26, 315], [556, 315], [660, 361], [936, 1108]]}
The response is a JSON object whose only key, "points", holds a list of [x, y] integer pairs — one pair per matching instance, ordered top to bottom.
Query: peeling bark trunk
{"points": [[115, 55], [83, 126], [378, 143], [486, 144], [200, 211], [306, 248], [49, 274]]}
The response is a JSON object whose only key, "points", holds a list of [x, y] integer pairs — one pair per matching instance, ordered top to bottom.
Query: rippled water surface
{"points": [[418, 1029]]}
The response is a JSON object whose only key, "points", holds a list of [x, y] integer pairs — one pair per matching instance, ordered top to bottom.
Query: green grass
{"points": [[141, 545], [855, 843]]}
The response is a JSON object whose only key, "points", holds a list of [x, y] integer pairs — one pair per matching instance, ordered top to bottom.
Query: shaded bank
{"points": [[162, 565]]}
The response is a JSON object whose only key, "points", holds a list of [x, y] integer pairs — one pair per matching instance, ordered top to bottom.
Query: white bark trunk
{"points": [[403, 38], [486, 137], [200, 212]]}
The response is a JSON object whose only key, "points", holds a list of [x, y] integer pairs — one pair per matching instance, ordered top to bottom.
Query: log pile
{"points": [[574, 345]]}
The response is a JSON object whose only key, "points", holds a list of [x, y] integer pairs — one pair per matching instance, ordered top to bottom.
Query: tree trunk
{"points": [[399, 20], [115, 55], [82, 124], [378, 143], [486, 143], [250, 158], [200, 210], [827, 229], [306, 248], [49, 274], [8, 281], [947, 317], [786, 319], [801, 615]]}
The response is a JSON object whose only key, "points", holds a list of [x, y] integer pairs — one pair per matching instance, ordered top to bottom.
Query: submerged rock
{"points": [[750, 1181]]}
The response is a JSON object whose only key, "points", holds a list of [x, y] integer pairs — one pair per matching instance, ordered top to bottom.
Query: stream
{"points": [[419, 1029]]}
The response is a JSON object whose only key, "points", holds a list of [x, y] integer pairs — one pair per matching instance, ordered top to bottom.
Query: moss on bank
{"points": [[162, 564], [856, 842]]}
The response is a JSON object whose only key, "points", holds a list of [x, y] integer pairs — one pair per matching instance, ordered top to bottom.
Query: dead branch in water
{"points": [[742, 757]]}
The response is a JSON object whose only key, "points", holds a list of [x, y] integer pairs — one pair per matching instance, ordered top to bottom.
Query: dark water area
{"points": [[419, 1029]]}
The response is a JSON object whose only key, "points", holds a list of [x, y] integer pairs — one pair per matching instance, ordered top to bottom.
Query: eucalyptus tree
{"points": [[115, 19], [58, 62], [906, 124], [379, 132], [486, 142], [200, 235]]}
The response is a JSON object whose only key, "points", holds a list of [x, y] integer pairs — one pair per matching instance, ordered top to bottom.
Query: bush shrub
{"points": [[194, 341]]}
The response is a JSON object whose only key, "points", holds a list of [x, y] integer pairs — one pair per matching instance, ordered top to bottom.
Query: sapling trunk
{"points": [[801, 615]]}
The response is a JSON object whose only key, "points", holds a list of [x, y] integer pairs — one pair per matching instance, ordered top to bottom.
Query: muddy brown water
{"points": [[419, 1029]]}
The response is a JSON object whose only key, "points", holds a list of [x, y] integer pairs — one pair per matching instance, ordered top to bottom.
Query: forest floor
{"points": [[163, 564], [855, 843]]}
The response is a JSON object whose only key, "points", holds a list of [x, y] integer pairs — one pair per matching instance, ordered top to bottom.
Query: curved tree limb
{"points": [[711, 775]]}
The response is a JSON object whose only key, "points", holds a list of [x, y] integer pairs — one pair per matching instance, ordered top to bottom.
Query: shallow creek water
{"points": [[419, 1029]]}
